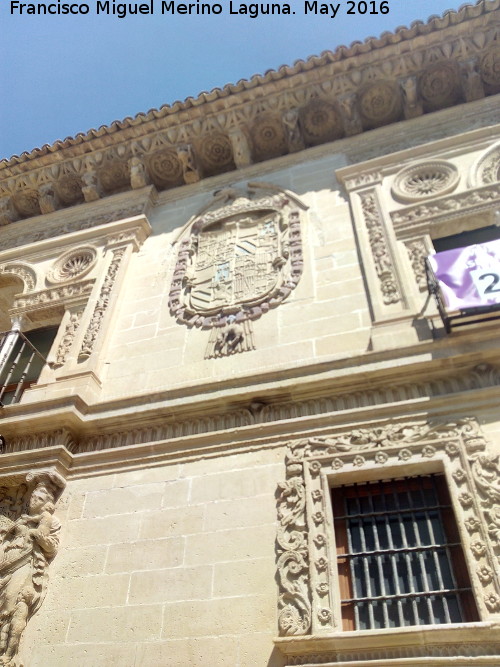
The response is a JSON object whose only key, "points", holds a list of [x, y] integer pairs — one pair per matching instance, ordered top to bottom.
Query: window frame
{"points": [[366, 543], [309, 601]]}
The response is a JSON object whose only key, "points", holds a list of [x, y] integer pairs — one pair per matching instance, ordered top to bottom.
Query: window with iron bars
{"points": [[399, 557]]}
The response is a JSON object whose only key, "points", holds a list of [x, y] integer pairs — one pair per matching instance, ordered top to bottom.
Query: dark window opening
{"points": [[464, 239], [24, 362], [399, 556]]}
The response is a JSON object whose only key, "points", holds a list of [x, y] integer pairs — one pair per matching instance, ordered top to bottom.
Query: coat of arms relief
{"points": [[239, 258]]}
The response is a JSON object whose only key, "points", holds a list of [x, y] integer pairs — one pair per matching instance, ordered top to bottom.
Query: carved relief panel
{"points": [[239, 259], [29, 540]]}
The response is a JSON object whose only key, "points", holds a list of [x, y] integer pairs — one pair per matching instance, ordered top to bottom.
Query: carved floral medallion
{"points": [[490, 67], [439, 85], [380, 103], [321, 122], [268, 136], [216, 153], [165, 168], [427, 179], [239, 260], [72, 265]]}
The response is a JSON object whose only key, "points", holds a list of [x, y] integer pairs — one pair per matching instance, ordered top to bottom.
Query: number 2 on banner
{"points": [[487, 283]]}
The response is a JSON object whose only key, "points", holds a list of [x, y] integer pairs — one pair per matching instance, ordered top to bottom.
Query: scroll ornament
{"points": [[380, 250], [294, 617]]}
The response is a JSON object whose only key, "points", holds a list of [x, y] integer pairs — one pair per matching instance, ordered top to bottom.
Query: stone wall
{"points": [[172, 565]]}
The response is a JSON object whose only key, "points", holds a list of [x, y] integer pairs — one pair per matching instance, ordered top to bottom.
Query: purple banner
{"points": [[469, 277]]}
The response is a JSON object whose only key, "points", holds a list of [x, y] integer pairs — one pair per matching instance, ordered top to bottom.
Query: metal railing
{"points": [[461, 317], [20, 365]]}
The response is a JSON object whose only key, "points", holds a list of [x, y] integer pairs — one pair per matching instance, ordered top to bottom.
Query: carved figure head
{"points": [[42, 498]]}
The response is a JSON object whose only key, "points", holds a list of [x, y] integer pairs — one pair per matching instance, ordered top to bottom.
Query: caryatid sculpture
{"points": [[29, 539]]}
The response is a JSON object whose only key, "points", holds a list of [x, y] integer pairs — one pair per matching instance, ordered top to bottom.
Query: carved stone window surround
{"points": [[442, 217], [408, 230], [83, 305], [309, 604]]}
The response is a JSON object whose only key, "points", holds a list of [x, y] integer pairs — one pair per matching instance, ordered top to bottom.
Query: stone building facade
{"points": [[231, 298]]}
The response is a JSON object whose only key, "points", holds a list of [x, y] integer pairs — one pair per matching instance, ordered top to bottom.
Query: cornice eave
{"points": [[402, 34], [313, 102]]}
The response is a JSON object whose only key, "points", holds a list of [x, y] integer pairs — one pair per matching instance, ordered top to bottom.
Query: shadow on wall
{"points": [[276, 660]]}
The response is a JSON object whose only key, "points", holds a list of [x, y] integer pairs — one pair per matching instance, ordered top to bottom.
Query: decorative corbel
{"points": [[412, 103], [350, 114], [241, 149], [190, 170], [138, 175], [47, 198]]}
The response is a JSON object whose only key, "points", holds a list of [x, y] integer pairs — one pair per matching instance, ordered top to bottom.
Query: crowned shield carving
{"points": [[241, 257]]}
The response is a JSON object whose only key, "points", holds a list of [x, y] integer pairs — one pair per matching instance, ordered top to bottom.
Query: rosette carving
{"points": [[490, 68], [439, 85], [380, 103], [321, 122], [268, 137], [216, 153], [165, 168], [487, 169], [114, 176], [428, 179], [69, 189], [26, 203], [72, 265]]}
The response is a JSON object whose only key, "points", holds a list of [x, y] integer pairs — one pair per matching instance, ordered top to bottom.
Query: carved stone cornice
{"points": [[445, 62], [421, 217], [74, 220], [65, 294], [165, 427]]}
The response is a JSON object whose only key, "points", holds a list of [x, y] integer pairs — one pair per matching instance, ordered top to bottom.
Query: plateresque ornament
{"points": [[239, 260]]}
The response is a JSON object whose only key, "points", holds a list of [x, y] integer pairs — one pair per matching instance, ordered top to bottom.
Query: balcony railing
{"points": [[453, 317], [20, 365]]}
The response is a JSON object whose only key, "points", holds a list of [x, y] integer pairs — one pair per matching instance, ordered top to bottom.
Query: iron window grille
{"points": [[399, 556]]}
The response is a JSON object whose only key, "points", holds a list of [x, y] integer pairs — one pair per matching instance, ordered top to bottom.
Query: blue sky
{"points": [[60, 75]]}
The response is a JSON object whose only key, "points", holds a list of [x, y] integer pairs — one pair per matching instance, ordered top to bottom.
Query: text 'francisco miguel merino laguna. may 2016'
{"points": [[165, 7]]}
